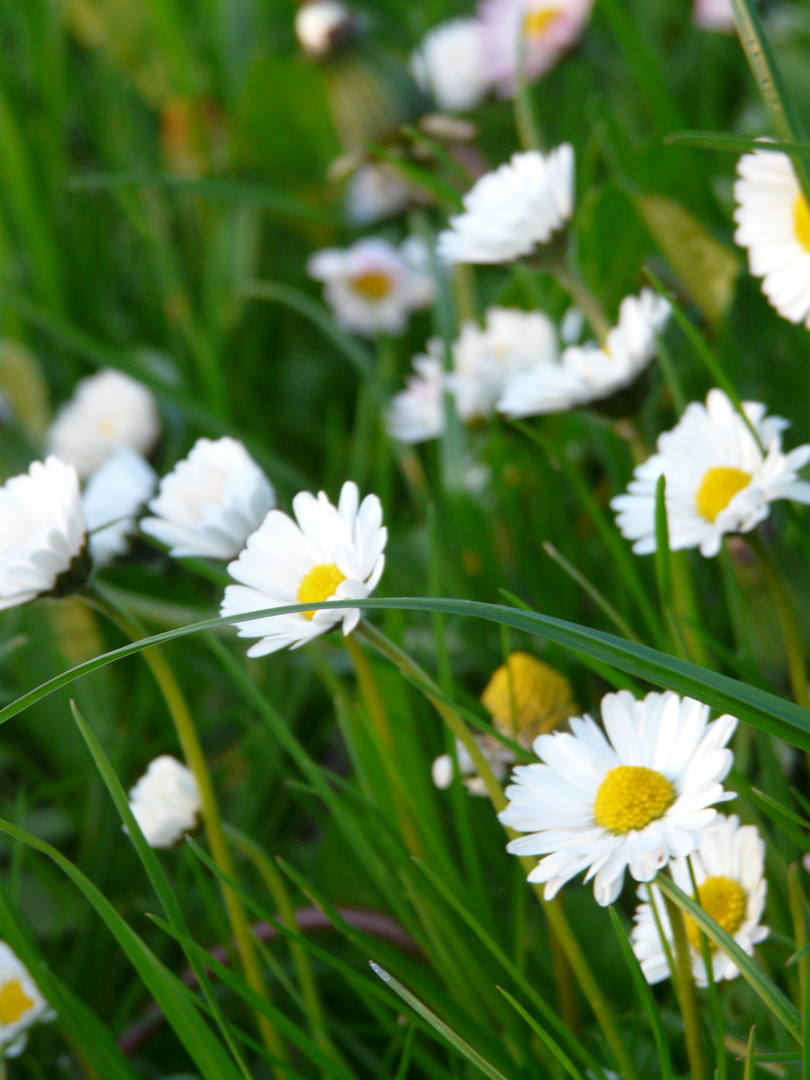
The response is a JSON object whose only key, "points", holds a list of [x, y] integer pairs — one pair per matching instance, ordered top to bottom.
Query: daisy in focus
{"points": [[540, 29], [449, 65], [511, 210], [773, 223], [373, 287], [591, 372], [107, 410], [718, 481], [113, 497], [211, 501], [43, 536], [328, 553], [525, 697], [165, 801], [630, 801], [729, 871], [21, 1003]]}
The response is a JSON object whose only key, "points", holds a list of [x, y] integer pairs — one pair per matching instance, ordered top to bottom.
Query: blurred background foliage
{"points": [[158, 156]]}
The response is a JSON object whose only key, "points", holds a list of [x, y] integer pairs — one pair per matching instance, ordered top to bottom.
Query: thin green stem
{"points": [[582, 296], [791, 634], [195, 759], [687, 997], [715, 1007]]}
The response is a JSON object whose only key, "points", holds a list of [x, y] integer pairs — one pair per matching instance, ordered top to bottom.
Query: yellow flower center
{"points": [[536, 21], [801, 222], [373, 285], [106, 429], [717, 488], [319, 583], [526, 697], [630, 797], [725, 900], [13, 1002]]}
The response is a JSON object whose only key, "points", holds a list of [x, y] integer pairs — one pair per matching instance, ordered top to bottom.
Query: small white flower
{"points": [[713, 15], [319, 24], [544, 28], [449, 65], [374, 191], [508, 211], [773, 223], [371, 286], [591, 372], [107, 410], [417, 412], [718, 481], [114, 495], [211, 501], [42, 532], [332, 553], [499, 757], [633, 800], [165, 801], [729, 872], [21, 1003]]}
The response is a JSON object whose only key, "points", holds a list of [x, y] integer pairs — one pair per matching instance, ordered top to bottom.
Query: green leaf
{"points": [[544, 1037]]}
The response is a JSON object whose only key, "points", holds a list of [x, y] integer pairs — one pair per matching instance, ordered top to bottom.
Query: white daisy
{"points": [[713, 15], [320, 24], [544, 28], [449, 65], [376, 190], [508, 211], [773, 223], [372, 287], [591, 372], [107, 410], [417, 412], [718, 481], [112, 499], [211, 501], [42, 533], [332, 553], [499, 757], [633, 800], [165, 801], [729, 872], [21, 1003]]}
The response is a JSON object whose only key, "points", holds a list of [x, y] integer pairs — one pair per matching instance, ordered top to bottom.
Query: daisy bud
{"points": [[165, 801]]}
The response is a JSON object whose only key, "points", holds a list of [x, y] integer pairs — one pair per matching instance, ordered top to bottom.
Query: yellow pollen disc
{"points": [[537, 21], [801, 222], [373, 285], [106, 429], [717, 488], [319, 583], [526, 697], [630, 797], [725, 900], [13, 1002]]}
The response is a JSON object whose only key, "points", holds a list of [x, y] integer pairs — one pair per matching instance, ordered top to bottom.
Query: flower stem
{"points": [[582, 297], [790, 628], [195, 758], [554, 913], [687, 996]]}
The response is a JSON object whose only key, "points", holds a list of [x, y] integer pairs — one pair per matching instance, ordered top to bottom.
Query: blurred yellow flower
{"points": [[526, 697]]}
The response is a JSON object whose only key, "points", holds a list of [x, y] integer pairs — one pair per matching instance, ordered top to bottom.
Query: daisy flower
{"points": [[713, 15], [320, 25], [543, 29], [449, 65], [376, 190], [508, 211], [773, 223], [372, 287], [591, 372], [107, 410], [417, 412], [718, 481], [112, 500], [211, 501], [43, 537], [328, 553], [500, 759], [631, 800], [165, 801], [729, 871], [21, 1003]]}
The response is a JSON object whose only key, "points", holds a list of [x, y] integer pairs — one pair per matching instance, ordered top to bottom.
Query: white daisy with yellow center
{"points": [[532, 32], [511, 210], [773, 223], [373, 287], [107, 410], [718, 480], [328, 553], [633, 800], [729, 871], [21, 1003]]}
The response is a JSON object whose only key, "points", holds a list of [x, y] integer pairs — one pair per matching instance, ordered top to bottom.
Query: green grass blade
{"points": [[735, 144], [562, 1058]]}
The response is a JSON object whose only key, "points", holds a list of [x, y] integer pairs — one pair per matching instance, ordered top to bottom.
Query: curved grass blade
{"points": [[735, 144]]}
